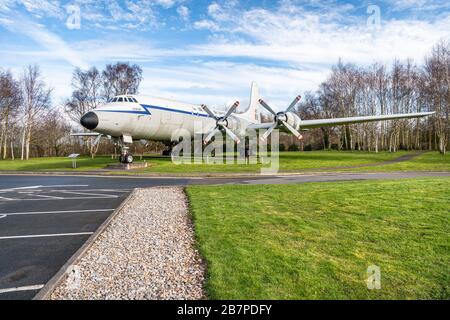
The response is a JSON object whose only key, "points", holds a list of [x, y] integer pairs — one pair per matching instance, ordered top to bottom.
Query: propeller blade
{"points": [[293, 103], [268, 108], [232, 109], [208, 111], [291, 129], [268, 132], [211, 135], [231, 135]]}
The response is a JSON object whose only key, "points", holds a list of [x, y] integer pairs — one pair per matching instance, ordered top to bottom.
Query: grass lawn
{"points": [[289, 161], [429, 161], [56, 163], [316, 240]]}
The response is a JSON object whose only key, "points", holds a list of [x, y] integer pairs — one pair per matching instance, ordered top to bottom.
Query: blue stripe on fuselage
{"points": [[174, 110], [147, 112]]}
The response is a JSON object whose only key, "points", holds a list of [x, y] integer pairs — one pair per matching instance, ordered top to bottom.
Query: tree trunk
{"points": [[27, 144], [12, 150], [22, 154]]}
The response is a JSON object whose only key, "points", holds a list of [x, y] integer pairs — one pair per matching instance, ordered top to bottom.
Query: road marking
{"points": [[51, 186], [96, 190], [88, 194], [44, 196], [71, 198], [7, 199], [50, 212], [2, 216], [47, 235], [27, 288]]}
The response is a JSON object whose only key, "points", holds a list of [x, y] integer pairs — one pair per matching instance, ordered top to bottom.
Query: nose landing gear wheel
{"points": [[126, 158]]}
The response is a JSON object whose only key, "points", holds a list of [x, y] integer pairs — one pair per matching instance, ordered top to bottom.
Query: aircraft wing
{"points": [[310, 124], [85, 134]]}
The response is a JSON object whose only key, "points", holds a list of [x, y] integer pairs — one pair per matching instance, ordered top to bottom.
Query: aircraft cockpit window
{"points": [[114, 100], [120, 100], [125, 100], [135, 100]]}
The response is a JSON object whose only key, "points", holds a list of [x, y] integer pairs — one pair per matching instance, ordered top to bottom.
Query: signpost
{"points": [[74, 157]]}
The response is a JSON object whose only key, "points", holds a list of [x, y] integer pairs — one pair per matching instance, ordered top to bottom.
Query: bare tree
{"points": [[121, 78], [437, 91], [87, 93], [86, 96], [36, 98], [10, 100], [53, 134]]}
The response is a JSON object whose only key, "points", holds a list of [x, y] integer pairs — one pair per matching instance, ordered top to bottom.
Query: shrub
{"points": [[293, 147]]}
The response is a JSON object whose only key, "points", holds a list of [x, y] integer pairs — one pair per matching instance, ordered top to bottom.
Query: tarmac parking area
{"points": [[41, 227]]}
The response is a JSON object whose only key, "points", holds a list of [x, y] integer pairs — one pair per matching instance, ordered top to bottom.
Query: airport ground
{"points": [[310, 235]]}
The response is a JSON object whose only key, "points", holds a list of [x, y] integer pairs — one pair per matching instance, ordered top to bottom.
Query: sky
{"points": [[210, 51]]}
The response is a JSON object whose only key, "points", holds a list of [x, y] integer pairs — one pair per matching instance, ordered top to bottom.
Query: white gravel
{"points": [[147, 252]]}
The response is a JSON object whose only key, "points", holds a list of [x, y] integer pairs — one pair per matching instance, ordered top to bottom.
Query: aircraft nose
{"points": [[89, 121]]}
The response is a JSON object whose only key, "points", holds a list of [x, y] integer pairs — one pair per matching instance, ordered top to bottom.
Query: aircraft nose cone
{"points": [[89, 121]]}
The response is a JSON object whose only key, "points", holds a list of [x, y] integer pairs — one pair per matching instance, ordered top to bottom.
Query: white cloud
{"points": [[166, 3], [417, 5], [45, 8], [183, 12], [101, 14], [206, 24], [301, 38], [45, 39], [217, 83]]}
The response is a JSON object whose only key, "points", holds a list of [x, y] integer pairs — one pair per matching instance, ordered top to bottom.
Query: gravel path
{"points": [[147, 252]]}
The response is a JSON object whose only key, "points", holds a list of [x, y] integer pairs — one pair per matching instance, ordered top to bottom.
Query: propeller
{"points": [[281, 119], [221, 123]]}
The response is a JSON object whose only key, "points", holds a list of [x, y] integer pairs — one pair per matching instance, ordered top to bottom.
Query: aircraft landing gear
{"points": [[125, 155], [126, 158]]}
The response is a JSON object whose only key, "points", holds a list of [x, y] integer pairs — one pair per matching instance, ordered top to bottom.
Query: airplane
{"points": [[128, 118]]}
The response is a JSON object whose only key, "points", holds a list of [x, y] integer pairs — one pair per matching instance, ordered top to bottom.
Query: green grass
{"points": [[429, 161], [289, 162], [56, 164], [316, 240]]}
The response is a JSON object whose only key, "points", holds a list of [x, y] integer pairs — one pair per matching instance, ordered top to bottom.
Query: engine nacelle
{"points": [[293, 120], [236, 125]]}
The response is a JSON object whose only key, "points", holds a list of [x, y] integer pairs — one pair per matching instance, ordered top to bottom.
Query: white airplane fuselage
{"points": [[154, 119]]}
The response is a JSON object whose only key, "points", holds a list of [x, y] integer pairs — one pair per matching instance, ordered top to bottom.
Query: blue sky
{"points": [[210, 51]]}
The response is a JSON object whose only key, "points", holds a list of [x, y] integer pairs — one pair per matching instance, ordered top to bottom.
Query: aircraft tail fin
{"points": [[252, 113]]}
